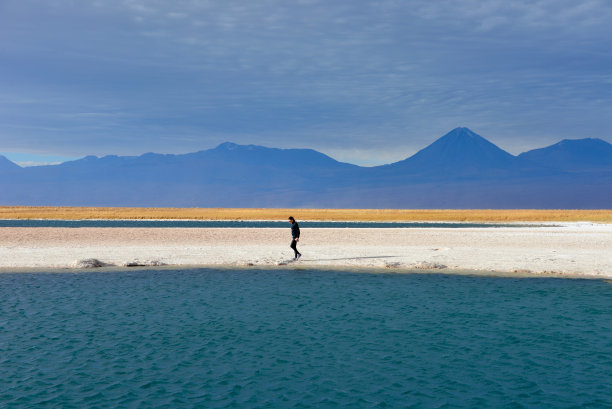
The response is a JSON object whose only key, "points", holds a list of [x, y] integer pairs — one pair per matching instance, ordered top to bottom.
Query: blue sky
{"points": [[367, 82]]}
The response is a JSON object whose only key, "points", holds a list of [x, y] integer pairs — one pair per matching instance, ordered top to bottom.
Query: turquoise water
{"points": [[242, 223], [295, 339]]}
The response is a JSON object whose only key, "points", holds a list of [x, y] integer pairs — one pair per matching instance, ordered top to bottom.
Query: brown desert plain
{"points": [[387, 215]]}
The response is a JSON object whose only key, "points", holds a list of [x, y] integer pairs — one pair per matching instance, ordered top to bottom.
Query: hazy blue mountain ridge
{"points": [[573, 155], [6, 165], [459, 170]]}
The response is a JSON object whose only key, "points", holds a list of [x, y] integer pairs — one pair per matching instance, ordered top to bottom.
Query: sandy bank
{"points": [[576, 248]]}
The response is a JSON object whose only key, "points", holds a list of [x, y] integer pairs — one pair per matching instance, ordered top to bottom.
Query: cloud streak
{"points": [[385, 77]]}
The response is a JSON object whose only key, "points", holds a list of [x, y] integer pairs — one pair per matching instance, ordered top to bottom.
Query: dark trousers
{"points": [[294, 247]]}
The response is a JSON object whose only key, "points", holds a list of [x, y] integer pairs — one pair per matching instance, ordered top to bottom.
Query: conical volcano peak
{"points": [[461, 130], [461, 133], [463, 141], [460, 149]]}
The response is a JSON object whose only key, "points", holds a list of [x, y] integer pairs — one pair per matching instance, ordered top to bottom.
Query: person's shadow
{"points": [[347, 258]]}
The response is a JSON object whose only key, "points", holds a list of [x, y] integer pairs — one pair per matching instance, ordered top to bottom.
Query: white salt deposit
{"points": [[572, 249]]}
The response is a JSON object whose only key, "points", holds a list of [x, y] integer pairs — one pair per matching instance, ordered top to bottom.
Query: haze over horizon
{"points": [[364, 82]]}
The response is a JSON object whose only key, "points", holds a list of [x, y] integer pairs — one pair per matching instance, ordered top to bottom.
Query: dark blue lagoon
{"points": [[244, 223], [302, 338]]}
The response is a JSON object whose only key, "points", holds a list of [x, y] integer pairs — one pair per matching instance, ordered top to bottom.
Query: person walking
{"points": [[295, 234]]}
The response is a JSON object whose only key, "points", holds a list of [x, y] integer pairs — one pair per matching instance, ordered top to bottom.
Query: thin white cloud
{"points": [[27, 164]]}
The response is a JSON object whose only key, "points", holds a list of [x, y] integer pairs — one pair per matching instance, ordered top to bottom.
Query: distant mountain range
{"points": [[573, 155], [6, 165], [459, 170]]}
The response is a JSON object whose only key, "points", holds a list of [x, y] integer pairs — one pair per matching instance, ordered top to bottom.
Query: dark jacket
{"points": [[295, 230]]}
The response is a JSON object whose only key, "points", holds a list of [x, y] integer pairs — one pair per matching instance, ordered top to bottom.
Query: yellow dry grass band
{"points": [[399, 215]]}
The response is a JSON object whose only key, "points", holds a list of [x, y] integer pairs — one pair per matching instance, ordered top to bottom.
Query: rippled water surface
{"points": [[211, 338]]}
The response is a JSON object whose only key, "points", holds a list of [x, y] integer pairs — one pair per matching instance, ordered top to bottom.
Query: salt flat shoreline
{"points": [[572, 249]]}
